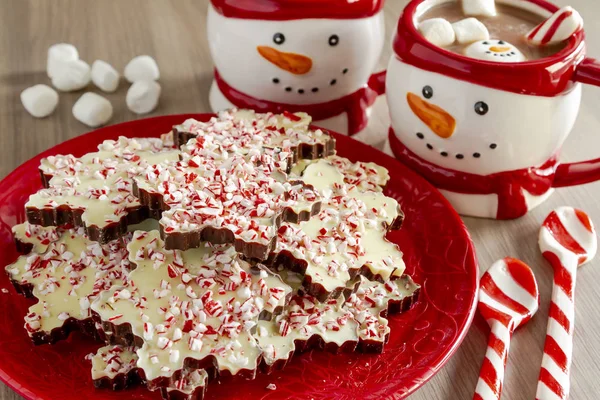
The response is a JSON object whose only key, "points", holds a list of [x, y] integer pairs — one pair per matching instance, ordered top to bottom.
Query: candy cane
{"points": [[559, 27], [567, 240], [508, 298]]}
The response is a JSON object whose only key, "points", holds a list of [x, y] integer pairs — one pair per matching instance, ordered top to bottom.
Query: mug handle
{"points": [[377, 82], [578, 173]]}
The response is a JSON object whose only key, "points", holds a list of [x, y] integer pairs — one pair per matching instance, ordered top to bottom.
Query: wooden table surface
{"points": [[174, 33]]}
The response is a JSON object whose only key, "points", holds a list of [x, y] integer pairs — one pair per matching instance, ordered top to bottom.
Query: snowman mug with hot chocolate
{"points": [[314, 56], [482, 96]]}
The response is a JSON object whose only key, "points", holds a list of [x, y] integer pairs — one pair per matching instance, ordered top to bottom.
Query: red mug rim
{"points": [[411, 47]]}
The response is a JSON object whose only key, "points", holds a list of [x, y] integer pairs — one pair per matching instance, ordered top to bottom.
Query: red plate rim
{"points": [[126, 129]]}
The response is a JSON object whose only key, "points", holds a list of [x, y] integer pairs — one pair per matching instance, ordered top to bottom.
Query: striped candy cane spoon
{"points": [[567, 240], [508, 298]]}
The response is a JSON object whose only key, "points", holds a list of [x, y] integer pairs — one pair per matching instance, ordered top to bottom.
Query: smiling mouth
{"points": [[315, 89], [458, 156]]}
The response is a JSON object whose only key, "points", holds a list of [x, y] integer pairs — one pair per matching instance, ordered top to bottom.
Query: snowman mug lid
{"points": [[281, 10], [548, 76]]}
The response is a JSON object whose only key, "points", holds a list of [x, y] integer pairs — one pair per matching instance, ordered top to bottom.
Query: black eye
{"points": [[278, 38], [334, 40], [427, 92], [481, 108]]}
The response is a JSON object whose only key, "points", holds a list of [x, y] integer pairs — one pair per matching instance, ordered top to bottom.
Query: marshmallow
{"points": [[486, 8], [558, 28], [470, 30], [437, 31], [494, 50], [58, 55], [142, 68], [71, 76], [105, 76], [142, 96], [39, 100], [92, 110]]}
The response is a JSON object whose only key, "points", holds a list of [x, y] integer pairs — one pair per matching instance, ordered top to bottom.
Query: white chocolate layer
{"points": [[194, 304]]}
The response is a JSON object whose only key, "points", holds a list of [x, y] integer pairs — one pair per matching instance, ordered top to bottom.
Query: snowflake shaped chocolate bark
{"points": [[239, 130], [361, 175], [95, 191], [220, 197], [34, 237], [347, 237], [65, 278], [192, 309], [358, 323], [115, 367]]}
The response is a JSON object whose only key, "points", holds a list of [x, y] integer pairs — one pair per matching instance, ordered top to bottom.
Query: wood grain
{"points": [[174, 33]]}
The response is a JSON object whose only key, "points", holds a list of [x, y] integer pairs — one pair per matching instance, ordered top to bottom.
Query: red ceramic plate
{"points": [[438, 252]]}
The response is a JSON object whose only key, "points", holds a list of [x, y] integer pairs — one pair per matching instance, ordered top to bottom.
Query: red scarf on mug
{"points": [[354, 105], [509, 185]]}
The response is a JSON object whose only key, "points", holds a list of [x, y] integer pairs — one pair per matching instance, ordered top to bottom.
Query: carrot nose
{"points": [[499, 49], [297, 64], [436, 118]]}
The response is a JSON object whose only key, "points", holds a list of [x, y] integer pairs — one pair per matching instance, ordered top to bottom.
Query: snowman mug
{"points": [[314, 56], [498, 158]]}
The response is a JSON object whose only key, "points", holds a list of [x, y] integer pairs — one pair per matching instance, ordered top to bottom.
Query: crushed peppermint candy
{"points": [[99, 183], [78, 276], [213, 314]]}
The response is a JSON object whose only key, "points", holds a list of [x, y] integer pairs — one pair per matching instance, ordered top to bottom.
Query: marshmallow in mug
{"points": [[479, 7], [470, 30], [438, 31], [494, 50]]}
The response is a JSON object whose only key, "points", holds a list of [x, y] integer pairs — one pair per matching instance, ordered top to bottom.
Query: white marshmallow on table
{"points": [[486, 8], [561, 25], [470, 30], [437, 31], [494, 50], [58, 55], [141, 68], [73, 75], [105, 76], [142, 96], [39, 100], [92, 110]]}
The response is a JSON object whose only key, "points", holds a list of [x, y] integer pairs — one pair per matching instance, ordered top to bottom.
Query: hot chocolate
{"points": [[509, 27]]}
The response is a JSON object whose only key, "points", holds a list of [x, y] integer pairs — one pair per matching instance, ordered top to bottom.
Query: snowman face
{"points": [[494, 50], [302, 61], [475, 129]]}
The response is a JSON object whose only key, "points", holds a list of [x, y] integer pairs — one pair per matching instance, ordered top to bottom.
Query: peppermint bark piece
{"points": [[241, 130], [361, 175], [95, 191], [225, 199], [34, 237], [345, 239], [65, 278], [192, 309], [358, 323], [115, 367], [190, 386]]}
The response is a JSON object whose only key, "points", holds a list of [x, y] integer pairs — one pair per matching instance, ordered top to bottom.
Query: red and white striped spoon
{"points": [[567, 240], [508, 298]]}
